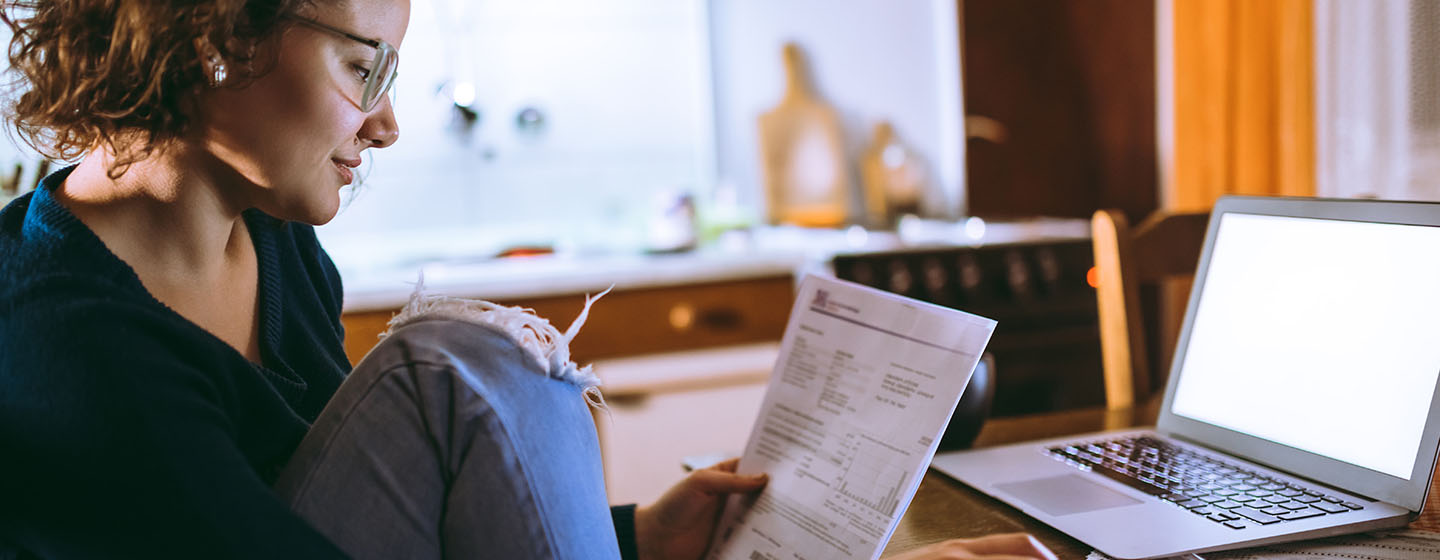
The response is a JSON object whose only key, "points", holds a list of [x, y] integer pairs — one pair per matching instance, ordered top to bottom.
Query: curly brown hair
{"points": [[124, 73]]}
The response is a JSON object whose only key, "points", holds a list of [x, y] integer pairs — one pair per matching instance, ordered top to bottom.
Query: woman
{"points": [[172, 379]]}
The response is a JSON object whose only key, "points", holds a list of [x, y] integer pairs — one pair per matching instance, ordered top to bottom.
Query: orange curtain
{"points": [[1244, 99]]}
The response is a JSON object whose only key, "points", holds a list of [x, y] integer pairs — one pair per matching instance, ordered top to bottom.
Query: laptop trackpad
{"points": [[1066, 494]]}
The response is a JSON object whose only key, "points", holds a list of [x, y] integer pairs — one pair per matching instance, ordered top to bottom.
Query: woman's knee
{"points": [[451, 341], [478, 358]]}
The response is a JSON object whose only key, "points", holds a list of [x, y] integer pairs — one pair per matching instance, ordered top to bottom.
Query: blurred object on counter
{"points": [[802, 154], [893, 176], [23, 178], [10, 184], [723, 214], [671, 225], [522, 251]]}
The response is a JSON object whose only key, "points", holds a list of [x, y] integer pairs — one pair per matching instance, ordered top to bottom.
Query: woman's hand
{"points": [[680, 524], [1010, 546]]}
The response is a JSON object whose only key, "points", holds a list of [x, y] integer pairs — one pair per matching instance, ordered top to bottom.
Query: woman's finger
{"points": [[728, 465], [720, 482], [1020, 544]]}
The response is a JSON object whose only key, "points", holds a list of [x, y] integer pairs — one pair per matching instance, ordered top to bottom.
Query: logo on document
{"points": [[822, 299]]}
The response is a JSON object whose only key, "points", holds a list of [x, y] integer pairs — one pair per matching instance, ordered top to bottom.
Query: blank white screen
{"points": [[1322, 335]]}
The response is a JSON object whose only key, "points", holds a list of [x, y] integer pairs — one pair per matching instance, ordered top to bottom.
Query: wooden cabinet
{"points": [[1068, 91], [640, 321], [684, 369]]}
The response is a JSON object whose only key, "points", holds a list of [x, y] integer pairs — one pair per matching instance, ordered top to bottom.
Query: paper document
{"points": [[864, 385]]}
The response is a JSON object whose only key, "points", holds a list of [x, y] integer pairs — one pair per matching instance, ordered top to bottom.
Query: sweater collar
{"points": [[49, 223]]}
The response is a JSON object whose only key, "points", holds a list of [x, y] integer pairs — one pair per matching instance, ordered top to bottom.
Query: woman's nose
{"points": [[380, 129]]}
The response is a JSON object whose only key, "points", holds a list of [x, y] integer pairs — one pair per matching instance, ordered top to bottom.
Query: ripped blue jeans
{"points": [[452, 440]]}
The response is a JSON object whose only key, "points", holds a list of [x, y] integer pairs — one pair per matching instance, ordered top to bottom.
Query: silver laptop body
{"points": [[1307, 364]]}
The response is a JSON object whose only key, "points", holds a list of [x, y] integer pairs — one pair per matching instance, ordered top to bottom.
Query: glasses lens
{"points": [[382, 76]]}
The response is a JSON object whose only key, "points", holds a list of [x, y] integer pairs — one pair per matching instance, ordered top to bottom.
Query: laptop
{"points": [[1301, 402]]}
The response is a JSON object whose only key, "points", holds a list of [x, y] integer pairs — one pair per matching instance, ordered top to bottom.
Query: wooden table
{"points": [[945, 509]]}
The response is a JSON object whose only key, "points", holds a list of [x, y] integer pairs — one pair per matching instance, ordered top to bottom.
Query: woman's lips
{"points": [[344, 167]]}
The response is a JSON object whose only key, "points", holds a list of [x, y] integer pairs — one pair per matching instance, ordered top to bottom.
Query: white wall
{"points": [[624, 87]]}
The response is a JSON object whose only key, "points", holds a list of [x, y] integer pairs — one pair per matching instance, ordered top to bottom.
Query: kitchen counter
{"points": [[378, 278]]}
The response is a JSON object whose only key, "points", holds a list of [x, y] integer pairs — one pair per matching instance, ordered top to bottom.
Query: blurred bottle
{"points": [[893, 177]]}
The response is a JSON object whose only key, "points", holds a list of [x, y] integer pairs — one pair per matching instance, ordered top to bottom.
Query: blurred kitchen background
{"points": [[950, 150]]}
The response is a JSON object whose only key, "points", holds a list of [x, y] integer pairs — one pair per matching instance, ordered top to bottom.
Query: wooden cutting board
{"points": [[802, 154]]}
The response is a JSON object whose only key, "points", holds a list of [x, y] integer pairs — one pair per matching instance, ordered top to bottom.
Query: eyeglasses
{"points": [[381, 74]]}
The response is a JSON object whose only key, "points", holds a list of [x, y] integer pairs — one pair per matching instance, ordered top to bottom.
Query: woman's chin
{"points": [[313, 212], [323, 215]]}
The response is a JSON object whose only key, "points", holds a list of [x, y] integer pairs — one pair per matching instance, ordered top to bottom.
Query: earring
{"points": [[213, 65], [217, 73]]}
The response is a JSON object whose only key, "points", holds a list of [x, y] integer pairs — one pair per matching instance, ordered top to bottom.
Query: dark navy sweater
{"points": [[128, 431]]}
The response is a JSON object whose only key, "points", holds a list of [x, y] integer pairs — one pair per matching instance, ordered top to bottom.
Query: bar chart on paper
{"points": [[871, 481]]}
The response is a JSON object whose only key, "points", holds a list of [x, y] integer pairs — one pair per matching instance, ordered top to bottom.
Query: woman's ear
{"points": [[211, 62]]}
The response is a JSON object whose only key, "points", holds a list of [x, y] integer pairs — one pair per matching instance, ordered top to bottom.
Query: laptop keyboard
{"points": [[1223, 493]]}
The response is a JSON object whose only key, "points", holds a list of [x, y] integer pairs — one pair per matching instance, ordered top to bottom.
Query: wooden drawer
{"points": [[642, 321]]}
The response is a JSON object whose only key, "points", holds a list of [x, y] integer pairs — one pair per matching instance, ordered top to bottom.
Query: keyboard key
{"points": [[1131, 482], [1273, 486], [1242, 487], [1226, 492], [1289, 492], [1260, 493], [1243, 498], [1212, 499], [1276, 499], [1307, 499], [1332, 499], [1192, 504], [1227, 504], [1294, 505], [1353, 505], [1328, 507], [1203, 510], [1275, 510], [1302, 514], [1256, 515], [1216, 517], [1236, 524]]}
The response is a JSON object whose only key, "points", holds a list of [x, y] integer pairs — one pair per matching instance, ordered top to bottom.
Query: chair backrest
{"points": [[1165, 245]]}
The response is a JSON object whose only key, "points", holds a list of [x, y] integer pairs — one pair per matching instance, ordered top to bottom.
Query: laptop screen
{"points": [[1322, 335]]}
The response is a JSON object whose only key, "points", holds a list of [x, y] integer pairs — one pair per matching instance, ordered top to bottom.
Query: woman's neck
{"points": [[163, 214], [183, 235]]}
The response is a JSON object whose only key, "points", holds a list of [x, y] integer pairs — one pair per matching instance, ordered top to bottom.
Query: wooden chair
{"points": [[1165, 245]]}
